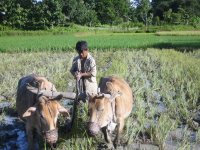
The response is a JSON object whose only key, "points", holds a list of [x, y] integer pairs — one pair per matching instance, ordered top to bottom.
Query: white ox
{"points": [[109, 108]]}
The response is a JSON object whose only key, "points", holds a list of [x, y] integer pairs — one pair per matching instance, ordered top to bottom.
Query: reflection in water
{"points": [[12, 130], [12, 134]]}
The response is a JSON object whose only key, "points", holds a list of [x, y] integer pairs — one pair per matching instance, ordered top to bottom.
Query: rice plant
{"points": [[165, 84]]}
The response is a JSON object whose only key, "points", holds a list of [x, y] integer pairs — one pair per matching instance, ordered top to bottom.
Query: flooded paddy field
{"points": [[165, 83], [12, 135]]}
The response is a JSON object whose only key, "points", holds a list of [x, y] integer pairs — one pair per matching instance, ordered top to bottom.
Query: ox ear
{"points": [[110, 86], [91, 95], [29, 111], [63, 111]]}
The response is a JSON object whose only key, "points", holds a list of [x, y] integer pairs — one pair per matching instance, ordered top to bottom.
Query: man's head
{"points": [[82, 49]]}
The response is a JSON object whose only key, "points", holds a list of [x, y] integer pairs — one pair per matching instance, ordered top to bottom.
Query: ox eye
{"points": [[100, 108], [42, 117]]}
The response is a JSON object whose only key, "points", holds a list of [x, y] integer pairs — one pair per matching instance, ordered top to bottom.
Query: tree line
{"points": [[45, 14]]}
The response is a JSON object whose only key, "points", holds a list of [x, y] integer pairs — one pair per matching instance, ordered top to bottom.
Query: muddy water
{"points": [[12, 130]]}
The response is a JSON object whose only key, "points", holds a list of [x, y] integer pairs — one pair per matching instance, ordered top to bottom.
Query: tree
{"points": [[159, 7], [122, 8], [182, 9], [143, 10], [105, 11], [112, 11], [53, 12], [79, 12], [132, 12], [15, 15], [168, 16], [184, 16], [36, 17], [19, 18], [92, 19], [195, 21]]}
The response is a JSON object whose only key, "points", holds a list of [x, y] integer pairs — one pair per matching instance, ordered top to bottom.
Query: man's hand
{"points": [[78, 75]]}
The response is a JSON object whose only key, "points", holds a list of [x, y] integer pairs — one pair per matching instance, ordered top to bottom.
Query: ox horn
{"points": [[98, 90], [99, 94], [69, 95], [113, 95]]}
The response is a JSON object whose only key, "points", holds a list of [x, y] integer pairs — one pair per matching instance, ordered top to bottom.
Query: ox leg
{"points": [[119, 128], [29, 133], [107, 138], [32, 141]]}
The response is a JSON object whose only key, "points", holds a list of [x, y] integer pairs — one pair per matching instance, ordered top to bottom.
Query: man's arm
{"points": [[73, 69], [92, 71]]}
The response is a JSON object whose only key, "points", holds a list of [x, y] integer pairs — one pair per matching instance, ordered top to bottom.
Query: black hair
{"points": [[81, 45]]}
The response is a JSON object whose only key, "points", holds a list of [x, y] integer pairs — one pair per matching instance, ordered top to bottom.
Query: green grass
{"points": [[179, 33], [97, 40], [166, 76]]}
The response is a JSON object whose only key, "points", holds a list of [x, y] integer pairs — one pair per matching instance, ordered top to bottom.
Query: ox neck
{"points": [[113, 111]]}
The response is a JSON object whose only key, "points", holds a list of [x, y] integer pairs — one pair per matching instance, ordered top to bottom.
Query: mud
{"points": [[12, 130]]}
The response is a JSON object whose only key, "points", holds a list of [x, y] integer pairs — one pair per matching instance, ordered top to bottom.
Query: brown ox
{"points": [[37, 105], [109, 108]]}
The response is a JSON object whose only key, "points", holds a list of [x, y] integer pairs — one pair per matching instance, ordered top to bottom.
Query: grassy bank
{"points": [[66, 42], [164, 78]]}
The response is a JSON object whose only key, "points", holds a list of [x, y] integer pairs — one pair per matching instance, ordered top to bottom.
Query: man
{"points": [[84, 70]]}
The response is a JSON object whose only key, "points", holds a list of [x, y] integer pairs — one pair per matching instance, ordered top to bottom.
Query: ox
{"points": [[37, 105], [109, 108]]}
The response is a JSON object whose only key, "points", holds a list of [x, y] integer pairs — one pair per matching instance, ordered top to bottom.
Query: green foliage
{"points": [[143, 8], [176, 11], [79, 12], [115, 12], [45, 14], [106, 14], [195, 22], [4, 28], [41, 41]]}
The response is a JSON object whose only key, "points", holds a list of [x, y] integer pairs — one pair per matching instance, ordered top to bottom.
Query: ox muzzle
{"points": [[93, 128], [51, 137]]}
